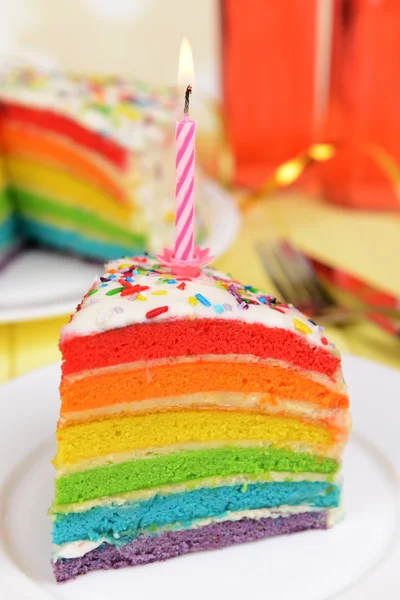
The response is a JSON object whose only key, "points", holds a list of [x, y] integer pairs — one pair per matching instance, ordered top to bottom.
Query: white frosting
{"points": [[131, 113], [101, 311], [82, 547], [75, 549]]}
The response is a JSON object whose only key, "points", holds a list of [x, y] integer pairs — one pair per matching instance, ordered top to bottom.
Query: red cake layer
{"points": [[52, 121], [184, 337]]}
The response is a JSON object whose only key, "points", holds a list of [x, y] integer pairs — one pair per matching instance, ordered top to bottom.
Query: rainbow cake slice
{"points": [[76, 149], [8, 234], [195, 414]]}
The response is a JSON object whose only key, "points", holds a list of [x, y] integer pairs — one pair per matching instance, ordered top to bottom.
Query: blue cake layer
{"points": [[7, 232], [66, 239], [186, 507]]}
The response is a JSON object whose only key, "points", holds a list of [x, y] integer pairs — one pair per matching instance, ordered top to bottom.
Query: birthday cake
{"points": [[76, 152], [196, 413]]}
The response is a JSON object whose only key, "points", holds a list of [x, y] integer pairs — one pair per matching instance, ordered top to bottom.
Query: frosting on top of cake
{"points": [[130, 112], [140, 290]]}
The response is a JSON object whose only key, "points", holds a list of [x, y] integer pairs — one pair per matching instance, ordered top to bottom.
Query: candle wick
{"points": [[187, 98]]}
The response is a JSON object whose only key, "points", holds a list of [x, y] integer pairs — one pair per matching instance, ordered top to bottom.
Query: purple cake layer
{"points": [[147, 549]]}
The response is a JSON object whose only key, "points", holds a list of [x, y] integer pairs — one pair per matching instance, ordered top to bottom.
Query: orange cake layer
{"points": [[51, 121], [28, 141], [109, 387], [254, 402]]}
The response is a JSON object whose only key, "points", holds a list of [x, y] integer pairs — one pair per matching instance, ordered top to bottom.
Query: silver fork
{"points": [[296, 281]]}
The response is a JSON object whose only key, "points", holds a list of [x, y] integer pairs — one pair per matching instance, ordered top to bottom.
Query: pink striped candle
{"points": [[184, 190]]}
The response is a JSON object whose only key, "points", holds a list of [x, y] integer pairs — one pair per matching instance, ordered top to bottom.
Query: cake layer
{"points": [[49, 120], [45, 147], [52, 183], [40, 208], [7, 233], [71, 241], [191, 337], [107, 388], [338, 417], [157, 429], [116, 458], [178, 467], [241, 481], [185, 508], [147, 549]]}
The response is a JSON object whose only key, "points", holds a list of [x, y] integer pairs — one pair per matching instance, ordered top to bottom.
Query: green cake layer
{"points": [[38, 207], [184, 466]]}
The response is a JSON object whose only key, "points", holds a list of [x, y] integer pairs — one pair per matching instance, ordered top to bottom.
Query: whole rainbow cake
{"points": [[76, 151], [196, 413]]}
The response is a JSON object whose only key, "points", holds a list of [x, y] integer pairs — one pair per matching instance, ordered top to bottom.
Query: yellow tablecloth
{"points": [[367, 245]]}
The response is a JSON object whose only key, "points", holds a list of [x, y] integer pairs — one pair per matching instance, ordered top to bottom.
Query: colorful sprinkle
{"points": [[104, 279], [171, 280], [181, 286], [132, 289], [114, 291], [90, 292], [159, 293], [141, 297], [192, 300], [203, 300], [227, 307], [218, 308], [118, 309], [156, 311], [300, 326], [324, 341]]}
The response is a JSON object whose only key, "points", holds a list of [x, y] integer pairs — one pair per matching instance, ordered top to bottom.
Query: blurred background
{"points": [[298, 151]]}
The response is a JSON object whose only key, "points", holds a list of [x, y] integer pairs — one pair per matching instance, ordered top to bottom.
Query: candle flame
{"points": [[186, 70]]}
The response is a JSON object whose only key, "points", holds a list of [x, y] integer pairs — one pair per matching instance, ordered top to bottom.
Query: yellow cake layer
{"points": [[58, 185], [126, 433]]}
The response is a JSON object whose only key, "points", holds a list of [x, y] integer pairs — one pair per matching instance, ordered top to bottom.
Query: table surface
{"points": [[363, 244]]}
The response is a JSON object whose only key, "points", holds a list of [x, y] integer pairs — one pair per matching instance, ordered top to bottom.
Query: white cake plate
{"points": [[40, 283], [359, 559]]}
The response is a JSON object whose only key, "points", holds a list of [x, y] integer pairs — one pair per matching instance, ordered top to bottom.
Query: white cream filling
{"points": [[81, 547]]}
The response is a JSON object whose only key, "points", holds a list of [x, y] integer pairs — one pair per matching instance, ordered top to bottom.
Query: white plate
{"points": [[41, 283], [359, 559]]}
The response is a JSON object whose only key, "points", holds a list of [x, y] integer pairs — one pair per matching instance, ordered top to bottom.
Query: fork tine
{"points": [[266, 257], [304, 273], [293, 275], [301, 295]]}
